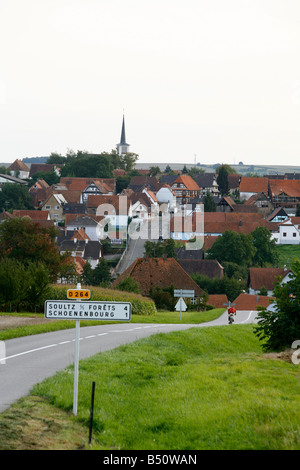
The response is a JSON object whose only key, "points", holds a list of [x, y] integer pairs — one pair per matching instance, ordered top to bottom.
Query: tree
{"points": [[88, 166], [154, 171], [222, 180], [15, 196], [209, 203], [23, 240], [233, 247], [266, 251], [101, 273], [129, 285], [22, 286], [279, 327]]}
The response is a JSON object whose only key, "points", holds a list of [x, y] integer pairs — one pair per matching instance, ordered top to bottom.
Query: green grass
{"points": [[288, 254], [159, 317], [203, 388]]}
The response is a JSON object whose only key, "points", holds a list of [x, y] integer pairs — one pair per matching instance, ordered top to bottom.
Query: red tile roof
{"points": [[18, 165], [188, 182], [250, 184], [289, 187], [33, 214], [159, 272], [265, 277], [218, 300], [251, 302]]}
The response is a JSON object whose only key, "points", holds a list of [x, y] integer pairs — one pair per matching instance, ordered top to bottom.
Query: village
{"points": [[139, 228]]}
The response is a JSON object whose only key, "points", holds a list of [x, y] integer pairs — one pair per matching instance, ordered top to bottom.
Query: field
{"points": [[287, 254], [203, 388]]}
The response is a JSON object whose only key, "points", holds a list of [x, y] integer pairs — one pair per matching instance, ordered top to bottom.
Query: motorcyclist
{"points": [[231, 313]]}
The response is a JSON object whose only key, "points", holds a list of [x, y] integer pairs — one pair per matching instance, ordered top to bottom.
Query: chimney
{"points": [[75, 240]]}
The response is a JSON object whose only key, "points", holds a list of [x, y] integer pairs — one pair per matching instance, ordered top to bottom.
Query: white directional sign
{"points": [[184, 293], [181, 305], [67, 310]]}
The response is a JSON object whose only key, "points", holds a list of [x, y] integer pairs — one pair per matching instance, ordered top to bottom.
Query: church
{"points": [[123, 147]]}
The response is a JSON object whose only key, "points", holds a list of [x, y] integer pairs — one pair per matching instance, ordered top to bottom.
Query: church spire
{"points": [[123, 147]]}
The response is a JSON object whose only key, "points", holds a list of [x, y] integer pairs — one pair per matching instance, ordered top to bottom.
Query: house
{"points": [[44, 168], [19, 169], [10, 179], [140, 182], [207, 182], [234, 183], [81, 184], [253, 185], [96, 188], [185, 188], [39, 192], [285, 193], [261, 202], [54, 205], [114, 208], [32, 214], [278, 215], [38, 217], [88, 223], [216, 223], [187, 227], [286, 233], [79, 245], [184, 253], [204, 267], [159, 272], [266, 277], [218, 300], [251, 302]]}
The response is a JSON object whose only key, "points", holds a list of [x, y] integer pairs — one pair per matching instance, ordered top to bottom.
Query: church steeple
{"points": [[123, 147]]}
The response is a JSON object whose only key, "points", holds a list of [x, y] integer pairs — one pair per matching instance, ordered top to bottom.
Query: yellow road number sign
{"points": [[78, 294]]}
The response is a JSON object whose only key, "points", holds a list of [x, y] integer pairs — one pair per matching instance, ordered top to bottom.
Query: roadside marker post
{"points": [[84, 310]]}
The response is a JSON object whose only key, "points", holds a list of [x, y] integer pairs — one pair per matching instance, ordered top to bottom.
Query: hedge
{"points": [[140, 305]]}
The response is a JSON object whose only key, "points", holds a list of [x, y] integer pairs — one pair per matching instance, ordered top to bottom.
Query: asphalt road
{"points": [[27, 361]]}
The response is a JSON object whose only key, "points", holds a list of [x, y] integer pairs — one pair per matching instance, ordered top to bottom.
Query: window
{"points": [[284, 234], [294, 234]]}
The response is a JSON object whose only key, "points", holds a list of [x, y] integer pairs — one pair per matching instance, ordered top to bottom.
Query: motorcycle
{"points": [[230, 318]]}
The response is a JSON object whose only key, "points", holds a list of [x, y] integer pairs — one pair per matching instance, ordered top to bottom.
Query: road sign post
{"points": [[182, 293], [84, 310]]}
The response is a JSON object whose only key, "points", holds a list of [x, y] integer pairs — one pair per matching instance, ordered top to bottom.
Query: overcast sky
{"points": [[219, 79]]}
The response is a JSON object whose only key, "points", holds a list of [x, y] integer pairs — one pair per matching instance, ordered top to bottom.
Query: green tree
{"points": [[88, 166], [154, 171], [222, 180], [15, 196], [209, 203], [23, 240], [233, 247], [266, 252], [101, 273], [87, 274], [129, 285], [22, 286], [279, 327]]}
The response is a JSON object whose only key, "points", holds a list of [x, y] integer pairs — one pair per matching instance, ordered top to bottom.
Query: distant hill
{"points": [[242, 169]]}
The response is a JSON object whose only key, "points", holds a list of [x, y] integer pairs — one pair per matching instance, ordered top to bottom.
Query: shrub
{"points": [[140, 305], [280, 327]]}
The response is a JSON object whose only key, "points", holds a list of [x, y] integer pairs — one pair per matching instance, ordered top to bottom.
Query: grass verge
{"points": [[52, 325], [203, 388]]}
